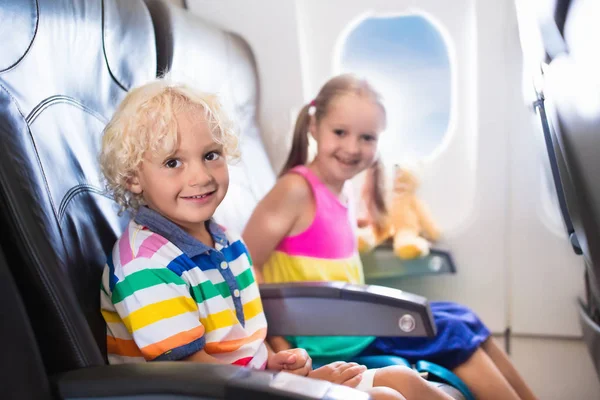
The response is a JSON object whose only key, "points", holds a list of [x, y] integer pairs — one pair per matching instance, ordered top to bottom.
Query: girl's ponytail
{"points": [[299, 151], [374, 197]]}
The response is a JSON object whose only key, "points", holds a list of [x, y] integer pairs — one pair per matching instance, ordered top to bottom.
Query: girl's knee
{"points": [[397, 374], [402, 379], [408, 383], [384, 393]]}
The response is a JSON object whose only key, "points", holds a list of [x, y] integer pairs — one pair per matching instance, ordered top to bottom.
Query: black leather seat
{"points": [[64, 68], [568, 106], [21, 369]]}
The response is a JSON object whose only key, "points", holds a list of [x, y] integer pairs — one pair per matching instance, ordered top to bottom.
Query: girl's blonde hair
{"points": [[338, 86], [145, 123]]}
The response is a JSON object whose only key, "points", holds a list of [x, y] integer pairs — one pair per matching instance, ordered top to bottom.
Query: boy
{"points": [[177, 286]]}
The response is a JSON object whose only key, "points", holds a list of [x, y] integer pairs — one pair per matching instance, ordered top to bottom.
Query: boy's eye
{"points": [[339, 132], [368, 138], [212, 156], [172, 163]]}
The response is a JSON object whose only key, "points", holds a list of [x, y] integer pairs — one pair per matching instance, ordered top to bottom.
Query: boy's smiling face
{"points": [[187, 186]]}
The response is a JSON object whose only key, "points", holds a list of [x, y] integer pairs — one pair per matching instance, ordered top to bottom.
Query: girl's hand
{"points": [[340, 372]]}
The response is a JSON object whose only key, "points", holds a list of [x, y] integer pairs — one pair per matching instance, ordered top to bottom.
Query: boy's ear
{"points": [[133, 185]]}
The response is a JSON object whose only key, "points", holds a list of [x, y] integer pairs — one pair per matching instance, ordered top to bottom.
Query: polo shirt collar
{"points": [[175, 234]]}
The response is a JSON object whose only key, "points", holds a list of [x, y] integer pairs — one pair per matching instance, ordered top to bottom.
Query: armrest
{"points": [[338, 308], [189, 380]]}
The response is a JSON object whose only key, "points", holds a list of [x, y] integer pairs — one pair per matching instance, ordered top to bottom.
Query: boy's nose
{"points": [[200, 176]]}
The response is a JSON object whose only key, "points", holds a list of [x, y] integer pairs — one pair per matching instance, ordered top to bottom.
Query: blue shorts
{"points": [[459, 333]]}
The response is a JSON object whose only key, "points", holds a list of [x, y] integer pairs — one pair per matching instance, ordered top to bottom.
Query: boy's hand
{"points": [[295, 361], [340, 372]]}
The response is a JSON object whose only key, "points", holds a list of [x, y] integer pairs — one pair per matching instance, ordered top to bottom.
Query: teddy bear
{"points": [[409, 225]]}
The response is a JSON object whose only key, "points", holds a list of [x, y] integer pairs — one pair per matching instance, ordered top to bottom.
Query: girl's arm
{"points": [[282, 212], [278, 215], [278, 343]]}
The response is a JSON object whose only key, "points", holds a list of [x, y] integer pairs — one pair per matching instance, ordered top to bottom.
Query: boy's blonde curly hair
{"points": [[146, 122]]}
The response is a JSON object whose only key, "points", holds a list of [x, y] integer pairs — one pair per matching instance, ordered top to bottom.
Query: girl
{"points": [[301, 231]]}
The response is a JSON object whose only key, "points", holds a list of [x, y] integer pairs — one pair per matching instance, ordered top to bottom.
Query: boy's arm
{"points": [[140, 298], [203, 357]]}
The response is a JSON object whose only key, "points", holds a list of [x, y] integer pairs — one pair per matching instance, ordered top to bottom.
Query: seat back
{"points": [[220, 62], [64, 66], [571, 98], [568, 105], [22, 373]]}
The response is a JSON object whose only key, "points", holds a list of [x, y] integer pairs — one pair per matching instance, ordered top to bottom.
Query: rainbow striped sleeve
{"points": [[148, 308]]}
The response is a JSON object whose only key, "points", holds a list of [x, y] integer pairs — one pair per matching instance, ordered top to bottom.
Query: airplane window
{"points": [[406, 59]]}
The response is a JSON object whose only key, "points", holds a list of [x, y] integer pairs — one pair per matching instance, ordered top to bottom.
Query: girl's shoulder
{"points": [[293, 189]]}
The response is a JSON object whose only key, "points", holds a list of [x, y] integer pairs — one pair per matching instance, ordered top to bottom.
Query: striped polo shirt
{"points": [[165, 296]]}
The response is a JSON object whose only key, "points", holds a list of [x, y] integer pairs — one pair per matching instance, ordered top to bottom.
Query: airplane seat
{"points": [[64, 67], [568, 107], [22, 372]]}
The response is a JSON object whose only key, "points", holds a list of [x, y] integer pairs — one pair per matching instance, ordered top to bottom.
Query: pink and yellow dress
{"points": [[326, 251]]}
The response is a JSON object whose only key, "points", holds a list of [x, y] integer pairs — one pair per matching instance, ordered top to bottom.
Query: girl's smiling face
{"points": [[347, 136]]}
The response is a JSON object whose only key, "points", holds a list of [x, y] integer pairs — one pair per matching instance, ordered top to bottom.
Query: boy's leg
{"points": [[507, 368], [484, 379], [409, 383], [384, 393]]}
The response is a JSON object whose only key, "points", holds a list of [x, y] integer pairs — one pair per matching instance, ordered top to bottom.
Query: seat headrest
{"points": [[220, 62], [65, 66], [572, 88]]}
